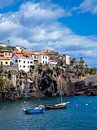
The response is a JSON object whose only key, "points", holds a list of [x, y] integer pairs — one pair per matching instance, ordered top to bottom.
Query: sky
{"points": [[66, 26]]}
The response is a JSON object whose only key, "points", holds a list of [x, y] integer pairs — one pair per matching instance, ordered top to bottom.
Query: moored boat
{"points": [[57, 106], [36, 110], [31, 111]]}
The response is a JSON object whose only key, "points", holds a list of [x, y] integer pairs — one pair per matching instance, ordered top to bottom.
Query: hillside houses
{"points": [[24, 60]]}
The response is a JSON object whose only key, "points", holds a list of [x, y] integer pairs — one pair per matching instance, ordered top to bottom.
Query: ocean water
{"points": [[80, 114]]}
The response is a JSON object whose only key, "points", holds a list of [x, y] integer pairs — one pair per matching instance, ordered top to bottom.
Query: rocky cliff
{"points": [[44, 81]]}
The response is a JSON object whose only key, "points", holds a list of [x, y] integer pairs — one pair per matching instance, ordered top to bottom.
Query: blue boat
{"points": [[36, 110], [31, 111]]}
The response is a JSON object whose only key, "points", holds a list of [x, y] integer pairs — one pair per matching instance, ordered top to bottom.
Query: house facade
{"points": [[6, 53], [40, 57], [43, 59], [5, 61], [22, 62]]}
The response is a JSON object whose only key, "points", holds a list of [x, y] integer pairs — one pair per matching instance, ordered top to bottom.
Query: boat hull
{"points": [[55, 107], [31, 111]]}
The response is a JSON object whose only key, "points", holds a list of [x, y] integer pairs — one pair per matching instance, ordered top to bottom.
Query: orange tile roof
{"points": [[27, 52], [39, 53], [20, 56], [4, 58]]}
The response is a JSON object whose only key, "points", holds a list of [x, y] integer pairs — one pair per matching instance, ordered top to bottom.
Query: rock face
{"points": [[46, 81], [86, 87]]}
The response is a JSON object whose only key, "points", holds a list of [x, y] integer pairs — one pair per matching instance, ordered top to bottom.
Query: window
{"points": [[5, 53], [35, 56], [45, 57], [19, 60], [16, 61], [24, 61], [6, 62], [28, 62], [31, 62], [1, 63], [20, 66], [24, 66], [28, 66]]}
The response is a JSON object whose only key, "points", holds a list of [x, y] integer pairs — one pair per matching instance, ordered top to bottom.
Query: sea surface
{"points": [[80, 114]]}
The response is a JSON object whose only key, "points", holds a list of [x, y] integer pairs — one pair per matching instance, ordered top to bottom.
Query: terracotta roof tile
{"points": [[27, 52], [20, 56]]}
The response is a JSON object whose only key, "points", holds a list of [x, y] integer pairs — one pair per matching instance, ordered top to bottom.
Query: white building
{"points": [[6, 53], [40, 57], [44, 59], [67, 59], [6, 61], [22, 62]]}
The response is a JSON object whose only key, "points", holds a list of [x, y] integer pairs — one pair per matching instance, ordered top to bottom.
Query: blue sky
{"points": [[66, 26]]}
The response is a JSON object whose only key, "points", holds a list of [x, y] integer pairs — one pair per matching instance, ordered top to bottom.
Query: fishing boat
{"points": [[36, 110]]}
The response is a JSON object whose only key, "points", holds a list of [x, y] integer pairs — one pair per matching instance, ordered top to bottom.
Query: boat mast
{"points": [[60, 88]]}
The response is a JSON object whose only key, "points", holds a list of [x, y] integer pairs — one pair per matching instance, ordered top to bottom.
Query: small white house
{"points": [[22, 62]]}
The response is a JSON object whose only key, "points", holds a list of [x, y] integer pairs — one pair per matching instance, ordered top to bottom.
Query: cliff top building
{"points": [[22, 62]]}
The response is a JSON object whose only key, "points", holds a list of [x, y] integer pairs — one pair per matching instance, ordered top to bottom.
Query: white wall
{"points": [[7, 54], [43, 59], [67, 60], [5, 62], [22, 64]]}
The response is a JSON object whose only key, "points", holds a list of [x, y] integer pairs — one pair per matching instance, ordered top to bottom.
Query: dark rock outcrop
{"points": [[46, 81]]}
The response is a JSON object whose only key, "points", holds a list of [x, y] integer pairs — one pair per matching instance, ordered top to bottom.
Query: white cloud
{"points": [[89, 6], [41, 13], [25, 28]]}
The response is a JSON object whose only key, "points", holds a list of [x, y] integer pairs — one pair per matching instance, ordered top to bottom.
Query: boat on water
{"points": [[61, 105], [56, 106], [36, 110], [31, 111]]}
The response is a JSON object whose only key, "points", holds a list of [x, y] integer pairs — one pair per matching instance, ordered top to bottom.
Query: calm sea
{"points": [[80, 114]]}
